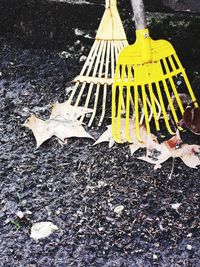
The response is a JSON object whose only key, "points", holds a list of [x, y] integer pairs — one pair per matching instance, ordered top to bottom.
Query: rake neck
{"points": [[110, 3], [111, 27], [142, 33]]}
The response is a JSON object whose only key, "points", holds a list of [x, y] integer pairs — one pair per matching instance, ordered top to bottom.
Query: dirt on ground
{"points": [[78, 186]]}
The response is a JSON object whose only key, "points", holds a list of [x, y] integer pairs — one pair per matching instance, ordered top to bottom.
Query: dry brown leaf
{"points": [[67, 111], [191, 119], [63, 123], [60, 128], [106, 137], [135, 145], [159, 153]]}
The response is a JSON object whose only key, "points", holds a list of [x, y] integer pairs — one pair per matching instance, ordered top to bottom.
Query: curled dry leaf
{"points": [[191, 119], [63, 123], [159, 153]]}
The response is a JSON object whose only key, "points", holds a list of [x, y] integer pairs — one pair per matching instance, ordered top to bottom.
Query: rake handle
{"points": [[139, 13]]}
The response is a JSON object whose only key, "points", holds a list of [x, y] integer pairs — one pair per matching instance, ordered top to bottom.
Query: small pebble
{"points": [[82, 58], [175, 206], [119, 209], [20, 214], [189, 247], [155, 257]]}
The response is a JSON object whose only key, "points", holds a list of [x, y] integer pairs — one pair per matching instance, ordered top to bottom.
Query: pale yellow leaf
{"points": [[61, 128]]}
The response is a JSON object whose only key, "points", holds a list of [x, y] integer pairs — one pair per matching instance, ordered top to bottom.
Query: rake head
{"points": [[147, 79], [93, 85]]}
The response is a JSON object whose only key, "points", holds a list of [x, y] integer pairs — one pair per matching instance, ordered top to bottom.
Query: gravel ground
{"points": [[78, 186]]}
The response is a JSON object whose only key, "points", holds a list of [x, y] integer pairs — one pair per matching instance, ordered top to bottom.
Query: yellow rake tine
{"points": [[116, 56], [186, 81], [174, 87], [190, 89], [168, 93], [152, 97], [144, 100], [170, 102], [120, 103], [128, 106], [127, 114], [113, 115], [166, 119], [137, 120]]}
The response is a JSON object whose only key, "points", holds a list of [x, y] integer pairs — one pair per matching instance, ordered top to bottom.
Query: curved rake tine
{"points": [[91, 55], [98, 60], [88, 64], [87, 73], [124, 75], [186, 81], [98, 85], [105, 85], [173, 86], [73, 92], [128, 96], [144, 100], [104, 104], [120, 104], [153, 104], [95, 105], [158, 107], [150, 108], [164, 112], [113, 114], [137, 122]]}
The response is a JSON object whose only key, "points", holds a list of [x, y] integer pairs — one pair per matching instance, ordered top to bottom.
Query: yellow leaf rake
{"points": [[145, 82]]}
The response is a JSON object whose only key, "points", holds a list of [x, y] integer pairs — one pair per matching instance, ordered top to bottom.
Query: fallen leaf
{"points": [[67, 111], [191, 119], [62, 128], [106, 137], [146, 137], [135, 145], [159, 153], [42, 230]]}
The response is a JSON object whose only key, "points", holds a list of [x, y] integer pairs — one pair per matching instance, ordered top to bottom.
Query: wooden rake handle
{"points": [[110, 3], [139, 13]]}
